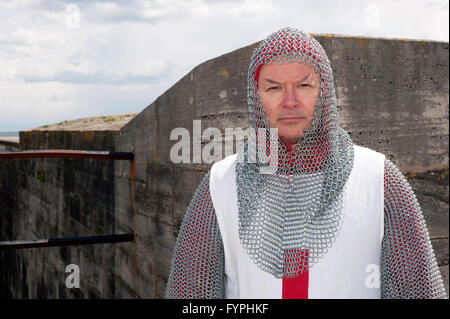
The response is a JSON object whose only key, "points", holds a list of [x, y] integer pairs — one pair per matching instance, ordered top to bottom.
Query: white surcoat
{"points": [[350, 268]]}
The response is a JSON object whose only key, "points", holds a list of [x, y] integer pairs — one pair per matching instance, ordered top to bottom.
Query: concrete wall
{"points": [[392, 97], [9, 144], [49, 198]]}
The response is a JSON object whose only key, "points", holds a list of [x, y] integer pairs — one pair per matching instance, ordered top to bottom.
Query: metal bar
{"points": [[67, 154], [68, 241]]}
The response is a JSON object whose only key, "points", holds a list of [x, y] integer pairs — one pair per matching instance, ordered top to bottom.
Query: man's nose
{"points": [[290, 99]]}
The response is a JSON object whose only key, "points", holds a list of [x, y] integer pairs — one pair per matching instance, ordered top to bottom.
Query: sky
{"points": [[64, 60]]}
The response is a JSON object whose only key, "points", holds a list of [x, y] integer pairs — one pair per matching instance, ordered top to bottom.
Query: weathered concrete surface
{"points": [[393, 97], [161, 189], [48, 198]]}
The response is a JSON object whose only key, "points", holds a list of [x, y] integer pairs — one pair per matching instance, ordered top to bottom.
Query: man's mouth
{"points": [[288, 119]]}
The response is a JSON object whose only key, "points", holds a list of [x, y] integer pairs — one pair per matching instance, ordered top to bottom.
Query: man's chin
{"points": [[292, 134], [290, 138]]}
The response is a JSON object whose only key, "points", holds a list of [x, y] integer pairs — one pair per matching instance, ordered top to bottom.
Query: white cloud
{"points": [[251, 8], [126, 53], [98, 77]]}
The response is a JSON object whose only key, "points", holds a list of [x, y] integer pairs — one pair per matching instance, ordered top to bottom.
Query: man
{"points": [[333, 220]]}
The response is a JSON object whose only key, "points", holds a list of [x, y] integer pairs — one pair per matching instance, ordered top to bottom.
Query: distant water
{"points": [[9, 134]]}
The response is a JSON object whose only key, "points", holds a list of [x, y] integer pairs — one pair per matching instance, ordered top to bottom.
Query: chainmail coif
{"points": [[297, 212], [408, 267]]}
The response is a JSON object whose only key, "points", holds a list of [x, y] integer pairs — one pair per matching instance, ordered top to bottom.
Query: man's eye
{"points": [[304, 85], [273, 88]]}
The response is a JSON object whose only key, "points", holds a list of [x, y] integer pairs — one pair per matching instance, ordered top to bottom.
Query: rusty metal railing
{"points": [[67, 154], [68, 241]]}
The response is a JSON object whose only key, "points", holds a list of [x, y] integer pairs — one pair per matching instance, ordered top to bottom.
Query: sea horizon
{"points": [[9, 134]]}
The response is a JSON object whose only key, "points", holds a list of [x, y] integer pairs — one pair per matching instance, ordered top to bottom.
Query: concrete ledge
{"points": [[9, 143]]}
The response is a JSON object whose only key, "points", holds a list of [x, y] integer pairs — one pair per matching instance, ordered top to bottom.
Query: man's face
{"points": [[288, 94]]}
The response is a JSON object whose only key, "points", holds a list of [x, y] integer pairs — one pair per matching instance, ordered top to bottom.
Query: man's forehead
{"points": [[287, 66], [293, 71], [307, 77]]}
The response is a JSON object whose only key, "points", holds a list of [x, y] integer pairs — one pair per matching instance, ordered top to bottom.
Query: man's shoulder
{"points": [[367, 153], [227, 161], [368, 162], [220, 168], [222, 176]]}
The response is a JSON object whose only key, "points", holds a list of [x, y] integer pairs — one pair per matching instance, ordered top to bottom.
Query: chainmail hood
{"points": [[290, 218]]}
